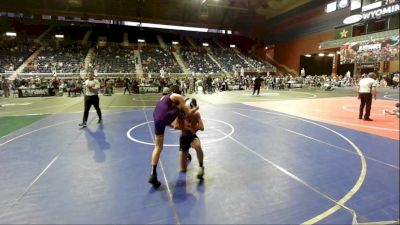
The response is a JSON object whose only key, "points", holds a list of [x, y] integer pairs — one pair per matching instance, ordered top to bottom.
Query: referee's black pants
{"points": [[89, 101], [366, 101]]}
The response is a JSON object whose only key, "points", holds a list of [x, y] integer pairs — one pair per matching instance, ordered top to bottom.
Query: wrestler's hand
{"points": [[193, 110], [174, 124]]}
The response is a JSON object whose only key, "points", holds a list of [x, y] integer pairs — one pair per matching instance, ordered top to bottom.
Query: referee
{"points": [[92, 87], [366, 90]]}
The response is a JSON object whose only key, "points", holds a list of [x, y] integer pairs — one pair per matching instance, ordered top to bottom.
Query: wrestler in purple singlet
{"points": [[164, 114]]}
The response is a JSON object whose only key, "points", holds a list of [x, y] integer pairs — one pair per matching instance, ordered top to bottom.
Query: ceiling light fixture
{"points": [[371, 6], [11, 34]]}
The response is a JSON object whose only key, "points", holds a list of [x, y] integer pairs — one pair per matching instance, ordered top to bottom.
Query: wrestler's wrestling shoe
{"points": [[200, 174], [153, 180]]}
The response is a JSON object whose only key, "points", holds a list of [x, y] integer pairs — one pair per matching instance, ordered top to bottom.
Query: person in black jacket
{"points": [[127, 84], [257, 85]]}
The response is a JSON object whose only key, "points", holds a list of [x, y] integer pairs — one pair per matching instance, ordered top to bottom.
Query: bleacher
{"points": [[114, 51], [13, 53], [155, 58], [61, 59], [113, 59], [229, 59], [198, 61]]}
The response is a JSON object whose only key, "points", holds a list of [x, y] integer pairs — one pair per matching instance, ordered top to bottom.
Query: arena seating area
{"points": [[113, 51], [13, 53], [155, 58], [62, 59], [114, 59], [231, 59], [198, 61]]}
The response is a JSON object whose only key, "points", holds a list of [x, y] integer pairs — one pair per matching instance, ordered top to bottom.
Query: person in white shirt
{"points": [[91, 86], [366, 90]]}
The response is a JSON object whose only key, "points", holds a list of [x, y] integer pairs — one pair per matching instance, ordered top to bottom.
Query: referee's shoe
{"points": [[83, 124]]}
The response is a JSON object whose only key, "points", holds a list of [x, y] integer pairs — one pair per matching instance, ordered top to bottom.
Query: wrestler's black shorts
{"points": [[185, 141]]}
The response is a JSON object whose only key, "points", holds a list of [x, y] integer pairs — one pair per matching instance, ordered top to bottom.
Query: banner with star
{"points": [[344, 32]]}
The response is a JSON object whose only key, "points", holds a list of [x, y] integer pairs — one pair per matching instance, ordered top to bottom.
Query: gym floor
{"points": [[284, 157]]}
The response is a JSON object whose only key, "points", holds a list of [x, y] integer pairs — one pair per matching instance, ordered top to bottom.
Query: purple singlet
{"points": [[164, 114]]}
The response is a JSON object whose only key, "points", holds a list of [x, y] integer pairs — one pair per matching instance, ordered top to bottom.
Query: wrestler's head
{"points": [[191, 102]]}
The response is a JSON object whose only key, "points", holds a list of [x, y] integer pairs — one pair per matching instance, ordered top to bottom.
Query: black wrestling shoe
{"points": [[368, 119], [100, 121], [83, 124], [200, 174], [153, 180]]}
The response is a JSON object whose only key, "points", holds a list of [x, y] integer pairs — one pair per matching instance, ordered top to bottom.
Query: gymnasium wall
{"points": [[289, 53]]}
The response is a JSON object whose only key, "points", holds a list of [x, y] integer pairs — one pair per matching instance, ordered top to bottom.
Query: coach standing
{"points": [[92, 87], [366, 90]]}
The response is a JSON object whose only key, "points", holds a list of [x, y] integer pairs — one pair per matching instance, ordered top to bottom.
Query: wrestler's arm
{"points": [[178, 99], [181, 124], [193, 124], [199, 124]]}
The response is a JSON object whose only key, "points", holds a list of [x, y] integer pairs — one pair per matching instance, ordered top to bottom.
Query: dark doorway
{"points": [[316, 65], [343, 68]]}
